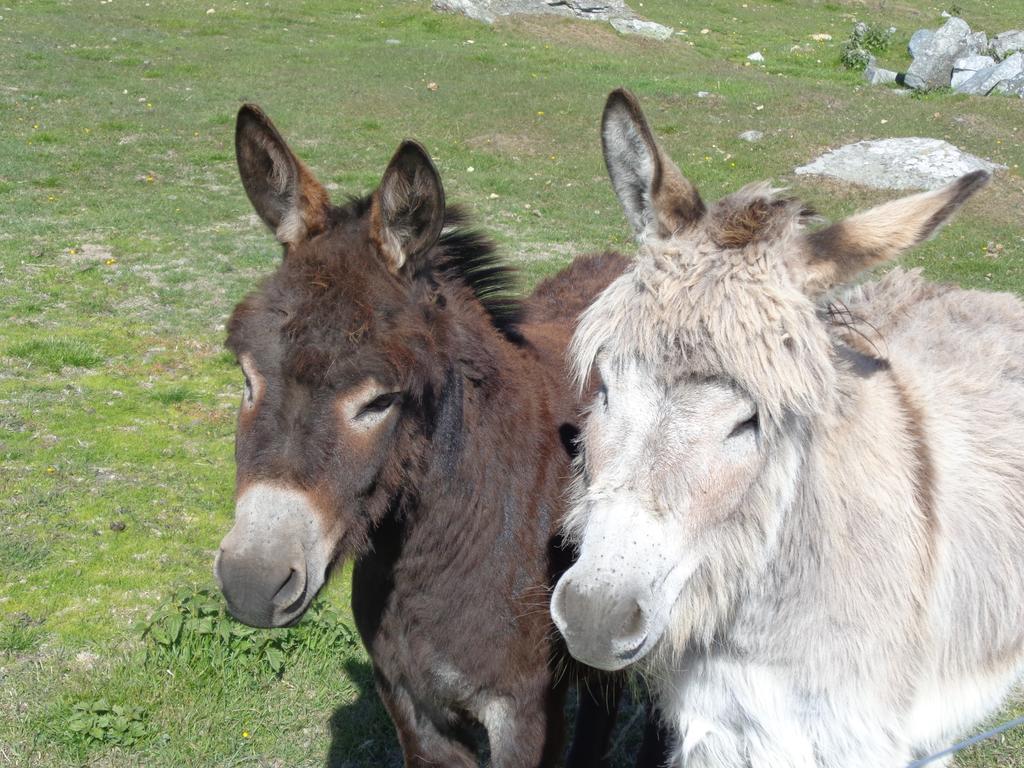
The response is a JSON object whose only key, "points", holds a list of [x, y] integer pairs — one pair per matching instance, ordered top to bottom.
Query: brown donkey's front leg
{"points": [[527, 729], [423, 745]]}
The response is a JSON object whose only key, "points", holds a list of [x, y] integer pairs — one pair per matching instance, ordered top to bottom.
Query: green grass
{"points": [[126, 239], [53, 355]]}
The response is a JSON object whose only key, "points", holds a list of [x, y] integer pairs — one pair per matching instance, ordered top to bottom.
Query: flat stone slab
{"points": [[488, 11], [642, 28], [906, 163]]}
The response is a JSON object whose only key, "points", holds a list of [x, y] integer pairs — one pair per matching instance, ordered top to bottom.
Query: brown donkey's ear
{"points": [[282, 189], [657, 198], [408, 208], [840, 252]]}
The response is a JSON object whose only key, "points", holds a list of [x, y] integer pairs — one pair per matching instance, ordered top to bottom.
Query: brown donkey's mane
{"points": [[467, 256], [471, 258]]}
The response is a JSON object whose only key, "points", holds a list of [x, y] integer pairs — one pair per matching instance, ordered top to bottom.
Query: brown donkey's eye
{"points": [[248, 391], [379, 404]]}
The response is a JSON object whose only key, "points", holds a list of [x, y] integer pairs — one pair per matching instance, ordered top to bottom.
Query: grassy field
{"points": [[125, 240]]}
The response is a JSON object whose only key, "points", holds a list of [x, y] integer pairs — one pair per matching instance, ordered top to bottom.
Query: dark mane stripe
{"points": [[469, 257]]}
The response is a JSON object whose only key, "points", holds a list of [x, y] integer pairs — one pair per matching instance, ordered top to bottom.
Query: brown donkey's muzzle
{"points": [[275, 558], [263, 591]]}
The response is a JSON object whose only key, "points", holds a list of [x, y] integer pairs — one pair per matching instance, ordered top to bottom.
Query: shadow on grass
{"points": [[362, 735]]}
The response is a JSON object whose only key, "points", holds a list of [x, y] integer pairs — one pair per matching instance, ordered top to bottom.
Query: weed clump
{"points": [[865, 41], [194, 630], [99, 722]]}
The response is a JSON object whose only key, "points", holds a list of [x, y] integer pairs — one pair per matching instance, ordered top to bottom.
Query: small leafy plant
{"points": [[865, 41], [194, 629], [99, 722]]}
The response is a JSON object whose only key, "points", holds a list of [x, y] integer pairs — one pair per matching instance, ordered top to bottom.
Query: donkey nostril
{"points": [[291, 590], [568, 601], [635, 621]]}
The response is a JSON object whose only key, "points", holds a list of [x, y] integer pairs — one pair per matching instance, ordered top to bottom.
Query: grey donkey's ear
{"points": [[282, 189], [657, 198], [407, 213], [840, 252]]}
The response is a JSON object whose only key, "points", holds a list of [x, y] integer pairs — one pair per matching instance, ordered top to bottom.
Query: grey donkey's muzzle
{"points": [[614, 604], [602, 626]]}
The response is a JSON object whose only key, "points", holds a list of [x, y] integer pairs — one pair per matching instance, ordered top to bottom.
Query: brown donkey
{"points": [[401, 410]]}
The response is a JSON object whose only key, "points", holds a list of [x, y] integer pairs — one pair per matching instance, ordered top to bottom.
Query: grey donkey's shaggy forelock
{"points": [[690, 307], [814, 550]]}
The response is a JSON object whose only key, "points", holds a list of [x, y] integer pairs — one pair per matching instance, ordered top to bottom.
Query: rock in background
{"points": [[620, 15], [918, 41], [1007, 43], [954, 56], [933, 66], [964, 69], [876, 75], [985, 80], [907, 163]]}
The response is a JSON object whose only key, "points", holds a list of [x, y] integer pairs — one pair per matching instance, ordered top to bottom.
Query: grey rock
{"points": [[474, 9], [488, 11], [644, 28], [392, 41], [918, 41], [1008, 42], [977, 44], [756, 56], [973, 62], [1013, 64], [933, 65], [964, 69], [876, 75], [960, 77], [985, 80], [978, 84], [1012, 86], [703, 94], [751, 136], [906, 163]]}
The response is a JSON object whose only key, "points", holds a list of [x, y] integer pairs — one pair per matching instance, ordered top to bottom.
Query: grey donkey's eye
{"points": [[602, 394], [749, 424]]}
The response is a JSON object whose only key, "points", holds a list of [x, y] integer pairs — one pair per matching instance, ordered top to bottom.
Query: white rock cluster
{"points": [[954, 56]]}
